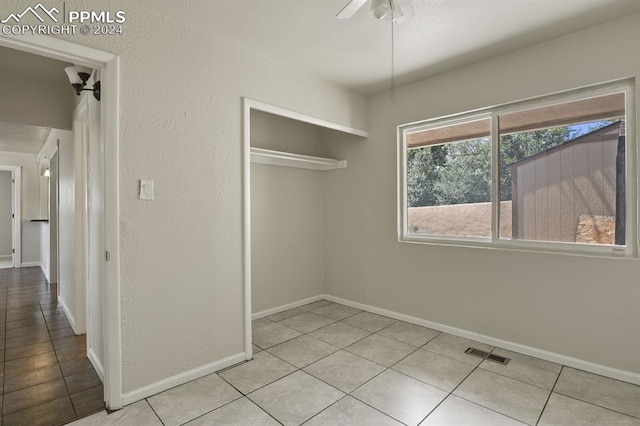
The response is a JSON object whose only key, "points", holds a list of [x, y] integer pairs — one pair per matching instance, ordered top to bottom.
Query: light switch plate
{"points": [[146, 190]]}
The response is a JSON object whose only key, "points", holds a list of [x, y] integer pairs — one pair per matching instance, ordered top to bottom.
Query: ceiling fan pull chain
{"points": [[393, 69]]}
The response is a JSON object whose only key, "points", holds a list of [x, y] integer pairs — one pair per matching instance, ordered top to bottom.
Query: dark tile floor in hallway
{"points": [[46, 376]]}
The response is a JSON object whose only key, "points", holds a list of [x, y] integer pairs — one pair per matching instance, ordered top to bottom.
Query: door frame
{"points": [[108, 65], [87, 176], [16, 192], [53, 207]]}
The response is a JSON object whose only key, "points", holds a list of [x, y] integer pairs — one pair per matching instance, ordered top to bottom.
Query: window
{"points": [[550, 173]]}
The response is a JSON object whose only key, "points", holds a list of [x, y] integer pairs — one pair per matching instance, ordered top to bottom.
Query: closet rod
{"points": [[288, 159]]}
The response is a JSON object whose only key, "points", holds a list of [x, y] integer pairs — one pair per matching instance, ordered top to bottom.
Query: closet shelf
{"points": [[287, 159]]}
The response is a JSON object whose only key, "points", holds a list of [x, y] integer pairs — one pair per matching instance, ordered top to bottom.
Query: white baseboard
{"points": [[30, 264], [45, 273], [286, 307], [70, 318], [97, 365], [626, 376], [180, 379]]}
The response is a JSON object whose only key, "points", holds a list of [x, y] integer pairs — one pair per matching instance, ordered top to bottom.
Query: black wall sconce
{"points": [[78, 77]]}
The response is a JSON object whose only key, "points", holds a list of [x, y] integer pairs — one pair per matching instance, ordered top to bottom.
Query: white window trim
{"points": [[630, 250]]}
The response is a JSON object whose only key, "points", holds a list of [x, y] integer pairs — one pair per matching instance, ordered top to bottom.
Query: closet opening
{"points": [[287, 157]]}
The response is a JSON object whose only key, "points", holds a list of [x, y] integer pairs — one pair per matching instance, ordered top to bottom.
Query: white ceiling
{"points": [[356, 53], [22, 138]]}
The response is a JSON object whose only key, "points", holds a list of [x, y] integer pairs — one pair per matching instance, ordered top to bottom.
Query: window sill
{"points": [[581, 250]]}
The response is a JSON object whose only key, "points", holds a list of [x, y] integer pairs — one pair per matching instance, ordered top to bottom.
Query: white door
{"points": [[95, 245]]}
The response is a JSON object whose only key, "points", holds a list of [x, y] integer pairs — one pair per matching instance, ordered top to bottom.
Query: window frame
{"points": [[630, 249]]}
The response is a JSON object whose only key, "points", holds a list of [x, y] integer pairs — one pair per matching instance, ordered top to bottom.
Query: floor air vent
{"points": [[477, 352], [486, 355], [499, 359]]}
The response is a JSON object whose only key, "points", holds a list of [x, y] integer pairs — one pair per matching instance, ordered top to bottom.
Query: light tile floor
{"points": [[329, 364]]}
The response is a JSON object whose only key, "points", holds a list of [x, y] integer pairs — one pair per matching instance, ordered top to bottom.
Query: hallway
{"points": [[47, 378]]}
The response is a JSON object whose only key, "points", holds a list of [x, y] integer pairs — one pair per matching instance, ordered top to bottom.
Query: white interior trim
{"points": [[108, 64], [626, 86], [80, 114], [298, 116], [288, 159], [16, 197], [246, 223], [30, 264], [286, 307], [70, 317], [97, 365], [603, 370], [626, 376], [182, 378]]}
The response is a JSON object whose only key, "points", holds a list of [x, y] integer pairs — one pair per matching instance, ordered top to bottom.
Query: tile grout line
{"points": [[34, 295], [307, 334], [371, 334], [4, 347], [339, 349], [528, 356], [383, 371], [491, 371], [518, 380], [328, 384], [449, 393], [242, 395], [348, 395], [549, 396], [44, 402], [476, 403], [596, 405], [599, 406], [73, 407], [489, 409], [154, 411], [322, 411]]}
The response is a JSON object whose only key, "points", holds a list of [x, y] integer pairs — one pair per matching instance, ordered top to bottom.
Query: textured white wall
{"points": [[35, 103], [180, 124], [284, 134], [30, 200], [6, 223], [286, 235], [287, 243], [45, 258], [584, 307]]}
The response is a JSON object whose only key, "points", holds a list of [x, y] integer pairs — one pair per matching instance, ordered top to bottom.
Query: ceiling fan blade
{"points": [[350, 9]]}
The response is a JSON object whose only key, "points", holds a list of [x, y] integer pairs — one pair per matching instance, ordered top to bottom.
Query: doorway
{"points": [[107, 64], [9, 214], [53, 219], [6, 220]]}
